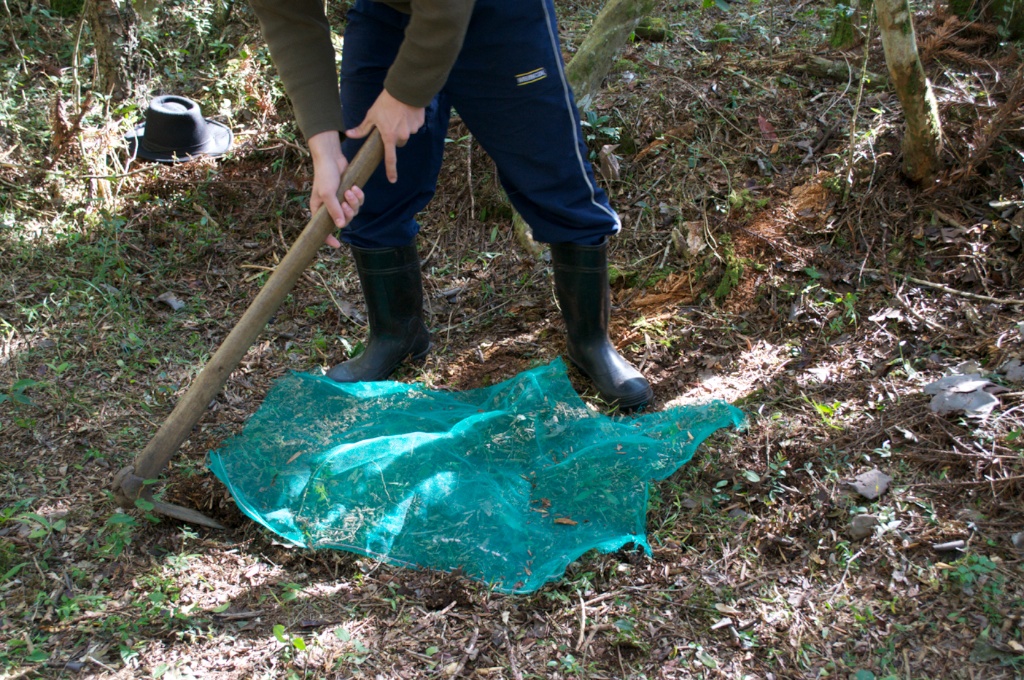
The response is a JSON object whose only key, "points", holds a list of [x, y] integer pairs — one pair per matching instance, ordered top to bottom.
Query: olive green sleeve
{"points": [[299, 37], [432, 42]]}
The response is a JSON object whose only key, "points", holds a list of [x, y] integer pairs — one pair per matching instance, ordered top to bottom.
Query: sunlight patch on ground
{"points": [[750, 371], [229, 577], [325, 641]]}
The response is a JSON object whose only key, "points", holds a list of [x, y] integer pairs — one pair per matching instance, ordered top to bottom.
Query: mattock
{"points": [[135, 481]]}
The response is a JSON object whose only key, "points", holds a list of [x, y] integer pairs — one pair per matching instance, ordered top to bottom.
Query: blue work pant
{"points": [[509, 87]]}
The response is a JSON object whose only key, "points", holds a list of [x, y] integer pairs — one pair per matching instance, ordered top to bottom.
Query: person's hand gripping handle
{"points": [[396, 121], [329, 164]]}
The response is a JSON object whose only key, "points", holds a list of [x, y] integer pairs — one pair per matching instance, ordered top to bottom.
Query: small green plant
{"points": [[598, 129], [745, 200], [733, 268], [730, 277], [846, 306], [656, 329], [60, 368], [16, 394], [829, 413], [777, 474], [721, 495], [6, 514], [39, 526], [115, 535], [9, 564], [972, 569], [291, 592], [70, 607], [626, 635], [291, 641], [17, 652], [359, 652], [567, 664]]}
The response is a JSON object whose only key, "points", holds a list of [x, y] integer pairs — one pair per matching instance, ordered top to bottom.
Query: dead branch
{"points": [[842, 72]]}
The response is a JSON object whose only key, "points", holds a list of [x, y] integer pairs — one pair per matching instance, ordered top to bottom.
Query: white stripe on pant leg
{"points": [[569, 102]]}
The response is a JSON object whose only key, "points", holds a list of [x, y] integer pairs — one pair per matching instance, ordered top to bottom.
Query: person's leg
{"points": [[373, 34], [510, 88], [382, 236]]}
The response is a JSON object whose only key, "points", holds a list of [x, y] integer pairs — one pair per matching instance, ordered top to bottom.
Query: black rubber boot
{"points": [[581, 284], [393, 290]]}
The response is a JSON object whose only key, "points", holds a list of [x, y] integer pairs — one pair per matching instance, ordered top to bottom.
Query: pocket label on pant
{"points": [[531, 76]]}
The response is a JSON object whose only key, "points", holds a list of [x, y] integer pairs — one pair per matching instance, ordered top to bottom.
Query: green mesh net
{"points": [[508, 484]]}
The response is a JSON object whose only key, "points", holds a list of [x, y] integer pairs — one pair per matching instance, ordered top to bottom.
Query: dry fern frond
{"points": [[959, 56], [989, 131]]}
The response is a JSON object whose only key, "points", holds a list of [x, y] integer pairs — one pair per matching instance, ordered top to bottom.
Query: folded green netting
{"points": [[508, 484]]}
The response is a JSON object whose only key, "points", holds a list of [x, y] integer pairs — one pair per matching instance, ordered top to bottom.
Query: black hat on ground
{"points": [[175, 131]]}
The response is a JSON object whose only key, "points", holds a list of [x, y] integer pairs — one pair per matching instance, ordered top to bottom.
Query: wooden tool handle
{"points": [[175, 430]]}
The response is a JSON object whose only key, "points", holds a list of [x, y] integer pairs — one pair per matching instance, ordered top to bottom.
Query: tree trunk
{"points": [[222, 14], [845, 30], [609, 33], [115, 36], [922, 139]]}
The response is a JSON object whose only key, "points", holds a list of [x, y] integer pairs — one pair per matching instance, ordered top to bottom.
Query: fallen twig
{"points": [[842, 72], [953, 291], [964, 293], [968, 482], [948, 547], [846, 572], [238, 616], [583, 623]]}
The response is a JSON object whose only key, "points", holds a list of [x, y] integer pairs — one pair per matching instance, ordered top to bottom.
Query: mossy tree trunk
{"points": [[222, 13], [114, 26], [844, 32], [596, 54], [589, 66], [922, 139]]}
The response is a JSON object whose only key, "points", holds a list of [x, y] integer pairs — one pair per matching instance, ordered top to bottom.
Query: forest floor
{"points": [[771, 256]]}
